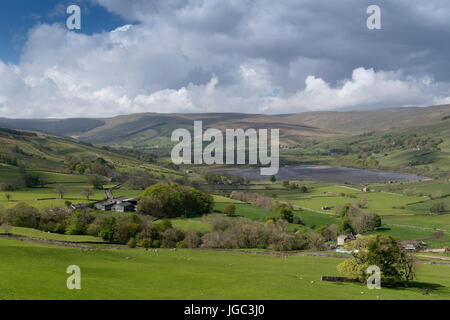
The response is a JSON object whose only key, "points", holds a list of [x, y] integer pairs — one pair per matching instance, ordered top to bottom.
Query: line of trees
{"points": [[257, 199]]}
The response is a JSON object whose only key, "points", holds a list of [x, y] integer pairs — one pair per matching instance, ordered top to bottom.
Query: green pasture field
{"points": [[445, 146], [8, 173], [74, 185], [426, 188], [31, 196], [221, 199], [377, 202], [425, 206], [247, 210], [313, 219], [441, 222], [408, 233], [38, 234], [36, 271]]}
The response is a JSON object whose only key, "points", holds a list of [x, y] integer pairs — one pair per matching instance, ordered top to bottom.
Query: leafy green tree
{"points": [[80, 168], [98, 182], [173, 200], [229, 210], [286, 213], [79, 222], [345, 226], [124, 230], [107, 231], [145, 243], [383, 251]]}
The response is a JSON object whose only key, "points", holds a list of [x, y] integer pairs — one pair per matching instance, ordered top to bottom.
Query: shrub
{"points": [[436, 195], [438, 208], [229, 210], [286, 213], [23, 215], [298, 220], [79, 222], [107, 228], [124, 230], [329, 233], [171, 237], [193, 239], [314, 241], [131, 243], [145, 243], [156, 244], [181, 245]]}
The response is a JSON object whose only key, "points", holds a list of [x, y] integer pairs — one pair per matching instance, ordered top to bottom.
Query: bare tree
{"points": [[61, 190], [87, 193]]}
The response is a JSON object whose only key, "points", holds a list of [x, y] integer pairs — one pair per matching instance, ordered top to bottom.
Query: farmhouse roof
{"points": [[124, 204]]}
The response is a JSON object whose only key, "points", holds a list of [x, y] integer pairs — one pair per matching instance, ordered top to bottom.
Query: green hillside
{"points": [[402, 139], [37, 271]]}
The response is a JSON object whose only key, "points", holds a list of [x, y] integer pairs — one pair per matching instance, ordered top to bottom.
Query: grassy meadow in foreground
{"points": [[34, 271]]}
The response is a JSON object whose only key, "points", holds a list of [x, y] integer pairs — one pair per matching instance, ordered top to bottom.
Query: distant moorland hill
{"points": [[152, 129]]}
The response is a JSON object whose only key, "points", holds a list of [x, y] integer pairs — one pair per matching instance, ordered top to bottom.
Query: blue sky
{"points": [[17, 17]]}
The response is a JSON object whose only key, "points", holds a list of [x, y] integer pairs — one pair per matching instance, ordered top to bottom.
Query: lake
{"points": [[326, 174]]}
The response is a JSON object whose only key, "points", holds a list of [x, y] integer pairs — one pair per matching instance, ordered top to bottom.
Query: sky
{"points": [[251, 56]]}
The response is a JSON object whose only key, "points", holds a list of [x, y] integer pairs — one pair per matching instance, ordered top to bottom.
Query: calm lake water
{"points": [[326, 174]]}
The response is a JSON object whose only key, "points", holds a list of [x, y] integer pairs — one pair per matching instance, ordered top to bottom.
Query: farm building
{"points": [[122, 204], [105, 205], [79, 206], [124, 207], [344, 238], [413, 245], [409, 247]]}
